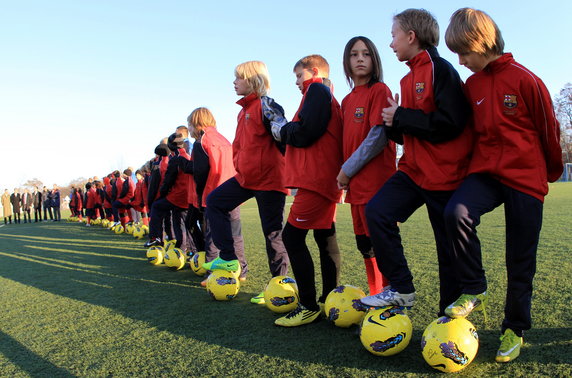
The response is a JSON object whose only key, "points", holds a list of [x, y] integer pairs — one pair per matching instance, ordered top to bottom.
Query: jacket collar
{"points": [[424, 56], [499, 63], [308, 82], [247, 99]]}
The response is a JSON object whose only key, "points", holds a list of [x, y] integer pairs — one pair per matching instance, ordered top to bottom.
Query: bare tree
{"points": [[563, 109], [30, 184]]}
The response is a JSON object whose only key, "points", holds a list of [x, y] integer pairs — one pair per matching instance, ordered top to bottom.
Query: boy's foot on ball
{"points": [[218, 263], [389, 297], [467, 303]]}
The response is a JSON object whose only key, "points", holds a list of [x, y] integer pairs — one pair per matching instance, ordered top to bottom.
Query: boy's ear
{"points": [[411, 36], [315, 71]]}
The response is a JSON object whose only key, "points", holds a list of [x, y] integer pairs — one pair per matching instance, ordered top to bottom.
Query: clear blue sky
{"points": [[91, 86]]}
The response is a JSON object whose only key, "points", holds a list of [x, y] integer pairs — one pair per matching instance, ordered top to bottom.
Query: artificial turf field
{"points": [[78, 301]]}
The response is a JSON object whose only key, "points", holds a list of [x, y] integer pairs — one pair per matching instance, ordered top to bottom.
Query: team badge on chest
{"points": [[419, 87], [510, 101], [359, 114]]}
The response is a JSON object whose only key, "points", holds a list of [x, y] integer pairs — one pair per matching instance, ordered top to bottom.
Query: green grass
{"points": [[83, 301]]}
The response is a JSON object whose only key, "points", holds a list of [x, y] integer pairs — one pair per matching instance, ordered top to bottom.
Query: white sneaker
{"points": [[389, 297]]}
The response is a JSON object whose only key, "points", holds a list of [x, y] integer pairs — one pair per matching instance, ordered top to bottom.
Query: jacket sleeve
{"points": [[271, 108], [451, 114], [314, 118], [548, 127], [370, 147], [202, 169], [170, 176], [154, 181], [125, 188]]}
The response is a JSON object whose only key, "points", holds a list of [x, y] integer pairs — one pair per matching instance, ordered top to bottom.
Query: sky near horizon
{"points": [[87, 87]]}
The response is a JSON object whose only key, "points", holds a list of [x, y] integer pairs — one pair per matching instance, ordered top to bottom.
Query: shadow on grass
{"points": [[174, 301], [27, 360]]}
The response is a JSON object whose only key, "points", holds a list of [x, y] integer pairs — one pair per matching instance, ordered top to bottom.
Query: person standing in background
{"points": [[16, 201], [46, 201], [37, 202], [55, 203], [27, 205], [7, 207]]}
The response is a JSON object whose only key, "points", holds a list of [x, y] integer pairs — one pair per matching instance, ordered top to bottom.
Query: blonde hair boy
{"points": [[422, 23], [472, 30], [256, 75], [199, 119]]}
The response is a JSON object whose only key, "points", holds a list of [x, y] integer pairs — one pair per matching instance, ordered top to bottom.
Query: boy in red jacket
{"points": [[431, 125], [516, 152], [313, 159], [259, 165]]}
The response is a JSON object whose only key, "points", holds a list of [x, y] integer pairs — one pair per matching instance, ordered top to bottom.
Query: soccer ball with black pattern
{"points": [[449, 344]]}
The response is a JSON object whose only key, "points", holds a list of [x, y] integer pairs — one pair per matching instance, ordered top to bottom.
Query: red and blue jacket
{"points": [[432, 123], [517, 136], [314, 142]]}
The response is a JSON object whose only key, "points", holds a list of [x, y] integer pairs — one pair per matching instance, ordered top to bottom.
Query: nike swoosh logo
{"points": [[481, 100], [300, 220], [508, 351]]}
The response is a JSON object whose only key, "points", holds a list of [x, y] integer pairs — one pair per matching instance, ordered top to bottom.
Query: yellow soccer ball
{"points": [[104, 223], [129, 228], [145, 228], [119, 229], [138, 233], [169, 244], [155, 255], [174, 258], [196, 263], [222, 285], [281, 294], [343, 306], [386, 331], [449, 344]]}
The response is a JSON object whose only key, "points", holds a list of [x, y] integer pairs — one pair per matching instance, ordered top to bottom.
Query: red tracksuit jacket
{"points": [[361, 110], [432, 118], [517, 134], [220, 153], [258, 162], [316, 166], [176, 183], [91, 194]]}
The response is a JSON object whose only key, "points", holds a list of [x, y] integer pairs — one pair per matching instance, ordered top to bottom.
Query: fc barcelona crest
{"points": [[419, 87], [510, 101], [359, 113], [247, 116]]}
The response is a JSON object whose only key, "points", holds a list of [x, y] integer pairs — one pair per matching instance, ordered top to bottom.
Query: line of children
{"points": [[452, 164]]}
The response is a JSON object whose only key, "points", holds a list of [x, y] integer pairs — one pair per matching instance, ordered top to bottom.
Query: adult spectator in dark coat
{"points": [[16, 201], [27, 201], [37, 202], [47, 203], [55, 203]]}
